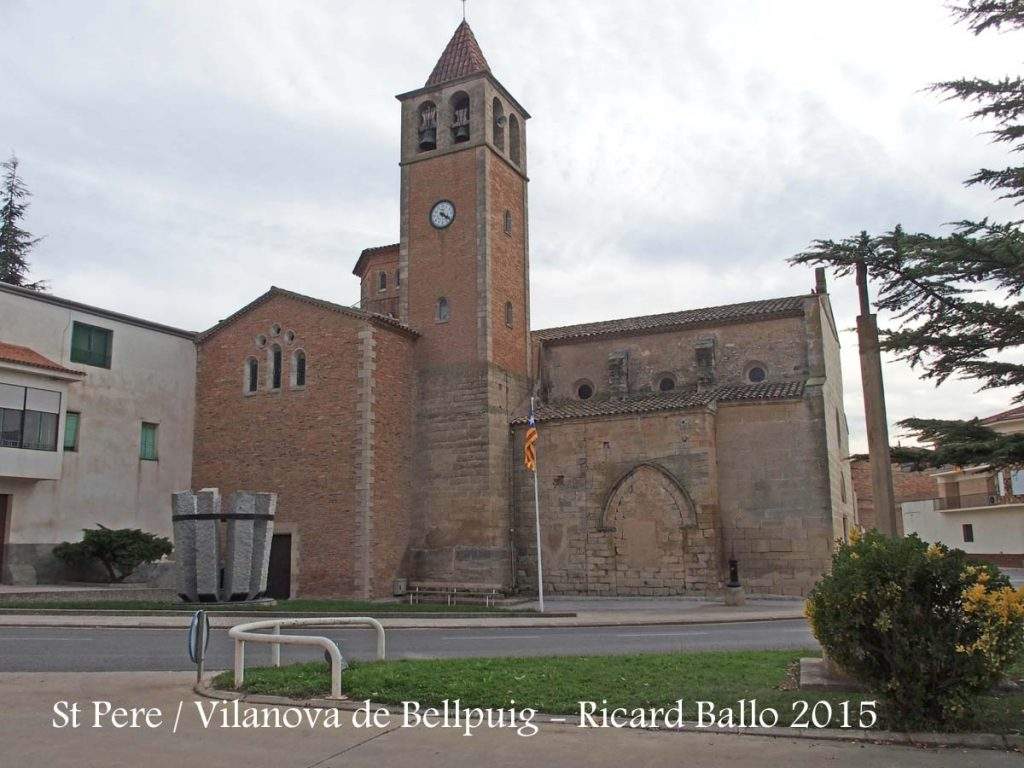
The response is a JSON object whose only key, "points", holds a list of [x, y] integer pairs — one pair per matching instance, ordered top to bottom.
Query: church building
{"points": [[393, 432]]}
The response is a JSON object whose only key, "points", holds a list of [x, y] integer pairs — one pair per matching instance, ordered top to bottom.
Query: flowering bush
{"points": [[917, 624]]}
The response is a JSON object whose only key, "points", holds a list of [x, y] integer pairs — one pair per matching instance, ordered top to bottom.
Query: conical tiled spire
{"points": [[461, 57]]}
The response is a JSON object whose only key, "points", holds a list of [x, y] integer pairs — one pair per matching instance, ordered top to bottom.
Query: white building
{"points": [[96, 418], [975, 509]]}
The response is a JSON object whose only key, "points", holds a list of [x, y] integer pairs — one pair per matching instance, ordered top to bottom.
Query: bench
{"points": [[453, 593]]}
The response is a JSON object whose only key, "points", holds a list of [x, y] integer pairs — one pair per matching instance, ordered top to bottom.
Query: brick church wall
{"points": [[444, 262], [507, 265], [371, 298], [302, 443], [393, 481], [647, 552]]}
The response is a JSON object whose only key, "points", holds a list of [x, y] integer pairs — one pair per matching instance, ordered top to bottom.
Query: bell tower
{"points": [[464, 268]]}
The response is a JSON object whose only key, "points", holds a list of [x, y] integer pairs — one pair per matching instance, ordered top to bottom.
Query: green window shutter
{"points": [[91, 345], [71, 431], [147, 449]]}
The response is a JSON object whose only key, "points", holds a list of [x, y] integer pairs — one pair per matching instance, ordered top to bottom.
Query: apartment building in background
{"points": [[96, 415]]}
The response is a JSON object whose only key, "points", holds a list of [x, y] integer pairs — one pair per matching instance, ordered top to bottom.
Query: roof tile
{"points": [[462, 56], [367, 253], [728, 313], [373, 317], [15, 353], [667, 401], [1013, 413]]}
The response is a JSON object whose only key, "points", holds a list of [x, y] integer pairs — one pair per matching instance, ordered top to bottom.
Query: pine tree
{"points": [[15, 242], [933, 285]]}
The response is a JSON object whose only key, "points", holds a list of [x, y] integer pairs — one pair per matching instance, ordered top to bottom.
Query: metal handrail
{"points": [[243, 633]]}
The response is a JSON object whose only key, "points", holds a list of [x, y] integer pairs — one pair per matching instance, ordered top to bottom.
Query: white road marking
{"points": [[660, 634], [492, 637]]}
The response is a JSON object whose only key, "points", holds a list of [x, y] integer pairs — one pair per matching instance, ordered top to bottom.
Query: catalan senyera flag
{"points": [[529, 447]]}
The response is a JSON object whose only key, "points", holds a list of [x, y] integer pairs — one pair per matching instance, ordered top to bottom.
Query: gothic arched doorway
{"points": [[649, 514]]}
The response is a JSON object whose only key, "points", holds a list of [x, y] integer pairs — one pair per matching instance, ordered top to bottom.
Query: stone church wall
{"points": [[778, 345], [826, 366], [774, 492], [461, 495], [629, 506]]}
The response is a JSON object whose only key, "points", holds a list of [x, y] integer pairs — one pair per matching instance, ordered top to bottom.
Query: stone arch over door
{"points": [[649, 516]]}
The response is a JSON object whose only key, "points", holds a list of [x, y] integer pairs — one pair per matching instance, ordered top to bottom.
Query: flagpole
{"points": [[536, 514]]}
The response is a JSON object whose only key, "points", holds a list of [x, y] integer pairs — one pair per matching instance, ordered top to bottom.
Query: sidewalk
{"points": [[594, 612], [29, 738]]}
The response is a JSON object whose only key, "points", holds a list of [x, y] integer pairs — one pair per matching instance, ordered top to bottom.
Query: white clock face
{"points": [[442, 214]]}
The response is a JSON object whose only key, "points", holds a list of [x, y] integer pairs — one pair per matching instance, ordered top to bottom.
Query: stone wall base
{"points": [[29, 564]]}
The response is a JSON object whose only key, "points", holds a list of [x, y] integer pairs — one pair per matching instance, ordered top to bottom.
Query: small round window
{"points": [[275, 330], [289, 336], [261, 341], [756, 374], [667, 384], [584, 390]]}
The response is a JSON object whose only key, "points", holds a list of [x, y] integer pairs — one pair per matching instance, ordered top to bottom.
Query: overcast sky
{"points": [[184, 156]]}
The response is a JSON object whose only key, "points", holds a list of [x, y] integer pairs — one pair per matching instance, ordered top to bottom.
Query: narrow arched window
{"points": [[460, 116], [427, 126], [498, 129], [513, 139], [508, 222], [398, 277], [382, 281], [444, 311], [509, 314], [275, 366], [298, 368], [252, 374]]}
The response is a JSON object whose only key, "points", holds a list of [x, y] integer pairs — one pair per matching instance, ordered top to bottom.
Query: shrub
{"points": [[120, 551], [918, 624]]}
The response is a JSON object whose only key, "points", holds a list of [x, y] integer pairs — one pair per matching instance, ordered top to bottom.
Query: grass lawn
{"points": [[283, 606], [556, 684]]}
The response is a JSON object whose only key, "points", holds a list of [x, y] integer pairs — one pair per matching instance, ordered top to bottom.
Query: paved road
{"points": [[46, 649], [29, 740]]}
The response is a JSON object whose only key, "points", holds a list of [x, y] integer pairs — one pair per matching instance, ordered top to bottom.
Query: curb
{"points": [[187, 614], [525, 622], [988, 741]]}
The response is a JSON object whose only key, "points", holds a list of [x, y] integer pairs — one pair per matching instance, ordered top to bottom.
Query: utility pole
{"points": [[886, 520]]}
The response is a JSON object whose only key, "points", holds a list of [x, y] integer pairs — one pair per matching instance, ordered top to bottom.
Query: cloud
{"points": [[186, 156]]}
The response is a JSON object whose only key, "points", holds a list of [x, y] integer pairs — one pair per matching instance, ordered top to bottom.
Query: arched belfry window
{"points": [[460, 116], [427, 126], [498, 131], [513, 139], [444, 310], [275, 366], [298, 368], [252, 375]]}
